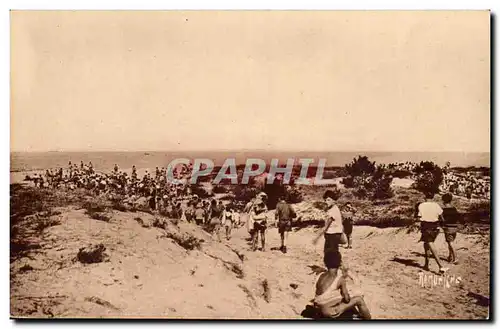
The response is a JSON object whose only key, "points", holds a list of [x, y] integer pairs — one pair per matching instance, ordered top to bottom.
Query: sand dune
{"points": [[150, 275]]}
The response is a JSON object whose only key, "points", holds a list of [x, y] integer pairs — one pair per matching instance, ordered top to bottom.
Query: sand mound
{"points": [[179, 270]]}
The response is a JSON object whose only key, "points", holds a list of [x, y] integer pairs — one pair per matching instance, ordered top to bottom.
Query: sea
{"points": [[105, 161]]}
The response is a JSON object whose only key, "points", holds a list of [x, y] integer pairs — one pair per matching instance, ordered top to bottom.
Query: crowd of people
{"points": [[466, 185], [469, 185], [334, 288]]}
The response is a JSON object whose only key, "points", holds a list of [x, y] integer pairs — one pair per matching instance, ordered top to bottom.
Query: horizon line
{"points": [[243, 150]]}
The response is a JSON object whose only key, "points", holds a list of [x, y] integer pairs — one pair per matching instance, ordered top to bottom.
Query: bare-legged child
{"points": [[429, 213], [450, 226]]}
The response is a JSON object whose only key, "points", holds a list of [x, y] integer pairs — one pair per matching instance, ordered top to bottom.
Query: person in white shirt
{"points": [[429, 214], [333, 226]]}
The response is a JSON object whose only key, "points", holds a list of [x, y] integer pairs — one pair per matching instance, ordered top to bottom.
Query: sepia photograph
{"points": [[239, 165]]}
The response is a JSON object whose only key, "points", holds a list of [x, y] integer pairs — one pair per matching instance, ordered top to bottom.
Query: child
{"points": [[429, 213], [199, 214], [259, 219], [228, 221], [347, 222], [450, 225], [333, 229]]}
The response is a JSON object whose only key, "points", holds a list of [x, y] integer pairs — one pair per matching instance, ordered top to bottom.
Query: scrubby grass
{"points": [[97, 209], [398, 211], [31, 212], [186, 241], [92, 254]]}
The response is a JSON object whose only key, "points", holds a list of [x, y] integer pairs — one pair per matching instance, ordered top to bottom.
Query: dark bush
{"points": [[360, 166], [429, 177], [348, 182], [220, 189], [382, 189], [274, 192], [245, 193], [360, 193], [294, 195], [95, 205], [321, 205], [120, 207], [478, 212], [100, 216], [44, 222], [384, 222], [186, 241], [92, 254]]}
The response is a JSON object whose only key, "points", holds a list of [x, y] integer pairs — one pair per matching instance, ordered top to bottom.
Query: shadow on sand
{"points": [[419, 254], [480, 299], [310, 312]]}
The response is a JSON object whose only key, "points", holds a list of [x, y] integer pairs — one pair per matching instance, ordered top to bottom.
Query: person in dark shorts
{"points": [[199, 213], [429, 213], [284, 215], [259, 218], [215, 219], [228, 220], [347, 222], [450, 226], [333, 228]]}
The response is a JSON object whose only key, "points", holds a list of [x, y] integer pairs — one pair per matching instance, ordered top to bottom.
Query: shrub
{"points": [[360, 166], [428, 178], [368, 179], [348, 182], [220, 189], [382, 189], [245, 193], [360, 193], [294, 195], [95, 205], [117, 205], [321, 205], [96, 209], [478, 212], [99, 216], [386, 221], [44, 222], [160, 222], [186, 241], [92, 254]]}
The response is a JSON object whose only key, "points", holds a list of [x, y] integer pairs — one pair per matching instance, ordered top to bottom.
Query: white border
{"points": [[494, 5]]}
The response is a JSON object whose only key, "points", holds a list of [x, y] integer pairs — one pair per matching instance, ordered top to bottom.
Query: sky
{"points": [[309, 81]]}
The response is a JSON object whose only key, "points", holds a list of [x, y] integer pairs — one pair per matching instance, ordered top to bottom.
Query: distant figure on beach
{"points": [[116, 168], [189, 213], [199, 213], [429, 214], [284, 215], [236, 216], [247, 218], [259, 218], [215, 219], [228, 221], [347, 222], [450, 226], [332, 296]]}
